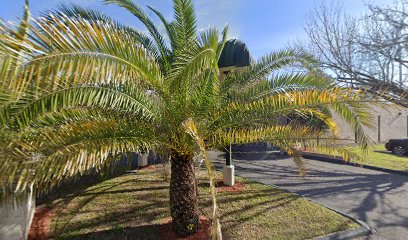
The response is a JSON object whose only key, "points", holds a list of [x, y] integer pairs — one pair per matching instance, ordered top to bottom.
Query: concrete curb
{"points": [[339, 160], [363, 230]]}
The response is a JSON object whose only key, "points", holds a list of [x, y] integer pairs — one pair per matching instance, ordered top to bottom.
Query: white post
{"points": [[142, 160], [228, 169], [229, 175]]}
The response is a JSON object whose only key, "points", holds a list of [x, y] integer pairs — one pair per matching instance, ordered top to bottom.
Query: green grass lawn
{"points": [[380, 157], [133, 206]]}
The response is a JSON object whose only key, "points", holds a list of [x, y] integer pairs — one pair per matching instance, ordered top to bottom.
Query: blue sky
{"points": [[264, 25]]}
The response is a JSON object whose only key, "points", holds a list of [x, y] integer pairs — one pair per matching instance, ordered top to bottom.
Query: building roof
{"points": [[235, 53]]}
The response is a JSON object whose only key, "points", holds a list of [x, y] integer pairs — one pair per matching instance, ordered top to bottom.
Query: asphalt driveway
{"points": [[377, 198]]}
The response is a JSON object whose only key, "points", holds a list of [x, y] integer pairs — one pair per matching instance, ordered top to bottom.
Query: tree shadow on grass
{"points": [[73, 187], [124, 206], [238, 209], [145, 232]]}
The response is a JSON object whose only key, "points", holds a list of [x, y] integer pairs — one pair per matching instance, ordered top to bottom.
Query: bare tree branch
{"points": [[370, 52]]}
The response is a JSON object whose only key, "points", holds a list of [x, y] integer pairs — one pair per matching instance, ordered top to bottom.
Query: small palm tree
{"points": [[79, 89]]}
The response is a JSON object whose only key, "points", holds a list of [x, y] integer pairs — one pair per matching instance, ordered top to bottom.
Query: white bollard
{"points": [[142, 160], [229, 175]]}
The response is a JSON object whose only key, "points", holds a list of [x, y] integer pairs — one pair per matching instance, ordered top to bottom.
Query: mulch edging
{"points": [[148, 167], [221, 187]]}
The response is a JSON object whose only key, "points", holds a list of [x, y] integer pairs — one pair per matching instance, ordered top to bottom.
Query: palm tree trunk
{"points": [[183, 195]]}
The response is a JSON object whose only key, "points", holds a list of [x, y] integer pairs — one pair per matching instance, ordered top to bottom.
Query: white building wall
{"points": [[390, 122], [16, 218]]}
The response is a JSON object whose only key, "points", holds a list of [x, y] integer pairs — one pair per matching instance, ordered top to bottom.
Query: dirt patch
{"points": [[221, 187], [40, 227], [204, 231]]}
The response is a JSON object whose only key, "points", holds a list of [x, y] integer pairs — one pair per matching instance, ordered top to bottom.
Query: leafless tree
{"points": [[369, 52]]}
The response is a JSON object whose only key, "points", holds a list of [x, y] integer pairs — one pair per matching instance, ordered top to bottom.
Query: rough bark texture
{"points": [[183, 195]]}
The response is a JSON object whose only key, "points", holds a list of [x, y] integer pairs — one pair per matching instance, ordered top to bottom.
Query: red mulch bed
{"points": [[149, 167], [238, 187], [40, 227], [204, 231]]}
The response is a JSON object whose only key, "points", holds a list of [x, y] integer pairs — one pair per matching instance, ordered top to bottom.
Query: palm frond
{"points": [[74, 11], [145, 19], [169, 26], [185, 26], [23, 27], [223, 41], [75, 48], [10, 61], [188, 68], [280, 83], [202, 97], [288, 101], [28, 108], [270, 110], [69, 115], [357, 116], [278, 133], [290, 138], [48, 155]]}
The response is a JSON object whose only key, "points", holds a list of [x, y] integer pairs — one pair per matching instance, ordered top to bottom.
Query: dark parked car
{"points": [[397, 146]]}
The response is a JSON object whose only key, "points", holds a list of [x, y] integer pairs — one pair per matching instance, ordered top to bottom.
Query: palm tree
{"points": [[79, 89]]}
